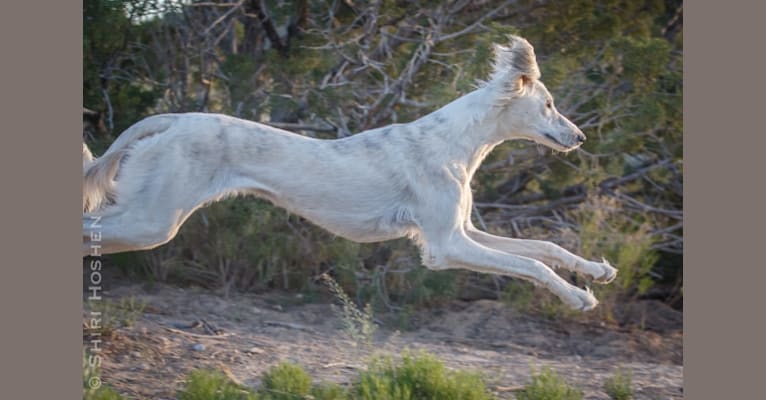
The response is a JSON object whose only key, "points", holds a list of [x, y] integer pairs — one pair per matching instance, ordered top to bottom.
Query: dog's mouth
{"points": [[556, 145]]}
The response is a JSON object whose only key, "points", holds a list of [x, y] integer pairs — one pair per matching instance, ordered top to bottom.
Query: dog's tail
{"points": [[98, 173]]}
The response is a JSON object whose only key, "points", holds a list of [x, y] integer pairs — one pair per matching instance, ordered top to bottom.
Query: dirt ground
{"points": [[150, 359]]}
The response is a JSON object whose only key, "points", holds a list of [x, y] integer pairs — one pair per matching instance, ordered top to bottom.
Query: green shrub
{"points": [[606, 232], [526, 297], [116, 315], [357, 324], [418, 377], [421, 377], [286, 381], [209, 385], [547, 385], [620, 385], [329, 391], [101, 392]]}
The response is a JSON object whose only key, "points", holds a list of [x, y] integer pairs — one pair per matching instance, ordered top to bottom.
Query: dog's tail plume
{"points": [[98, 173]]}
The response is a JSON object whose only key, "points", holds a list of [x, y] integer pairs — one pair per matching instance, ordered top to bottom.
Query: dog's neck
{"points": [[469, 128]]}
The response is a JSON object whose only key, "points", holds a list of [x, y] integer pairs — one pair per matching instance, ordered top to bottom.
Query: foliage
{"points": [[110, 42], [337, 68], [604, 232], [525, 297], [116, 315], [357, 324], [91, 374], [420, 376], [415, 377], [287, 381], [282, 382], [210, 385], [547, 385], [620, 385], [329, 391], [102, 393]]}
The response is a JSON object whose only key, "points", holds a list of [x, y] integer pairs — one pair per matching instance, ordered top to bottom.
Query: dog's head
{"points": [[526, 107]]}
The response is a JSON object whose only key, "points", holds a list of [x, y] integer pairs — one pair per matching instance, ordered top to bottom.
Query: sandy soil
{"points": [[150, 359]]}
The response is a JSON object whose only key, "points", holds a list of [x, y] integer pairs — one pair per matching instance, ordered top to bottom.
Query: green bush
{"points": [[606, 232], [526, 297], [117, 315], [358, 324], [418, 377], [421, 377], [286, 381], [210, 385], [547, 385], [620, 385], [329, 391], [102, 392]]}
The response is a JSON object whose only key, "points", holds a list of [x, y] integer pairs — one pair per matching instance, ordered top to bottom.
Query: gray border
{"points": [[723, 145], [40, 170], [41, 287]]}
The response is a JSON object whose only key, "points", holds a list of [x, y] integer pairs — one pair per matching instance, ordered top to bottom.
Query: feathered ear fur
{"points": [[515, 66]]}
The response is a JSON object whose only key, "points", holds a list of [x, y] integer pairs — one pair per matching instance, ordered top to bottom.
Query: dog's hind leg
{"points": [[123, 231], [547, 252]]}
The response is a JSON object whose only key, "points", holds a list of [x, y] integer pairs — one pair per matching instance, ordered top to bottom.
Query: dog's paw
{"points": [[601, 272], [609, 272], [581, 300]]}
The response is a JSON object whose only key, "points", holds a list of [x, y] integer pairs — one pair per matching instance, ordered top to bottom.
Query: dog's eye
{"points": [[549, 104]]}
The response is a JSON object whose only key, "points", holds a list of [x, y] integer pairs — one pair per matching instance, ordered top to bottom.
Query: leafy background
{"points": [[329, 69]]}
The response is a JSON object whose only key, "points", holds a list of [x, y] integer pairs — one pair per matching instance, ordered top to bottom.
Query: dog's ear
{"points": [[515, 65]]}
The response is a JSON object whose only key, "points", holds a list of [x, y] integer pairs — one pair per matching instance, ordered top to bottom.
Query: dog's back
{"points": [[99, 173]]}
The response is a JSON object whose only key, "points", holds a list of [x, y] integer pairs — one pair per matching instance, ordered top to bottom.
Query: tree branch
{"points": [[259, 9]]}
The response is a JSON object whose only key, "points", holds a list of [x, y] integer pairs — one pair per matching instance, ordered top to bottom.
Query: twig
{"points": [[212, 4], [225, 15], [477, 23], [268, 25], [109, 109], [298, 127], [479, 217], [290, 326], [221, 336]]}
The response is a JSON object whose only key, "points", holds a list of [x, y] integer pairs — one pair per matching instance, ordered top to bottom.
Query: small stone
{"points": [[198, 347]]}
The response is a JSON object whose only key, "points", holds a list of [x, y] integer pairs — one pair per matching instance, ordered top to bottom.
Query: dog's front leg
{"points": [[460, 251], [547, 252]]}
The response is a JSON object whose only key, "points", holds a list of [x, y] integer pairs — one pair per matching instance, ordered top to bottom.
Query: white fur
{"points": [[400, 180]]}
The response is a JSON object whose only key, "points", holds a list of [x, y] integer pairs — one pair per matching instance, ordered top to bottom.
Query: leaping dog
{"points": [[400, 180]]}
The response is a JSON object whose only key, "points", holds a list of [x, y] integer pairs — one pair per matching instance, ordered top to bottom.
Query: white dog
{"points": [[399, 180]]}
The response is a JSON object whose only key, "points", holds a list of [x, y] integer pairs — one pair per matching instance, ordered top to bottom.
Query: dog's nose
{"points": [[581, 138]]}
